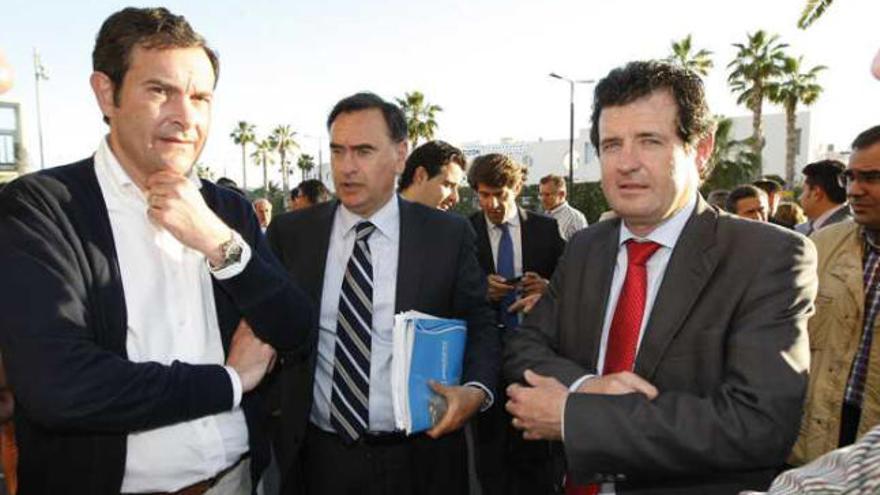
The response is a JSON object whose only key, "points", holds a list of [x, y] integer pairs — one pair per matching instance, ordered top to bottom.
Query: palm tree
{"points": [[812, 11], [699, 62], [757, 64], [795, 87], [420, 117], [242, 135], [283, 143], [263, 157], [732, 161], [305, 163]]}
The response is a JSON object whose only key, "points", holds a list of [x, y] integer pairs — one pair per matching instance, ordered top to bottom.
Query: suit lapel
{"points": [[527, 241], [316, 248], [484, 248], [411, 256], [692, 263], [597, 275]]}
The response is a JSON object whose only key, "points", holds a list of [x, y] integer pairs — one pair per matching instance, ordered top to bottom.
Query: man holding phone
{"points": [[518, 250]]}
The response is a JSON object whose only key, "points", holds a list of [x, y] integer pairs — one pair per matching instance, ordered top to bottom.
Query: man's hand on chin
{"points": [[176, 204]]}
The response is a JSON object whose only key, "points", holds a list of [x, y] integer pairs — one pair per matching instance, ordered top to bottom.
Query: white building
{"points": [[11, 144], [544, 157]]}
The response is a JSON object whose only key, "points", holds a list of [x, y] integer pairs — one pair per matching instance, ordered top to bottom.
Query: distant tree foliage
{"points": [[813, 10], [683, 55], [758, 62], [421, 117]]}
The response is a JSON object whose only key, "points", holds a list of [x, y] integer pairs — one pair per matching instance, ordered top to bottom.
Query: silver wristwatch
{"points": [[232, 250]]}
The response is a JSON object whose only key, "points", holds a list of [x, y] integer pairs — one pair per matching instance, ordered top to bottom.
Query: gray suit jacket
{"points": [[840, 215], [725, 344]]}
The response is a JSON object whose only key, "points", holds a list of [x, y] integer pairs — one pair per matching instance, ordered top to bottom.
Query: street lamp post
{"points": [[39, 74], [571, 83]]}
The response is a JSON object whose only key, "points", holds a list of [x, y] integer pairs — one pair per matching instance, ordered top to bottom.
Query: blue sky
{"points": [[485, 61]]}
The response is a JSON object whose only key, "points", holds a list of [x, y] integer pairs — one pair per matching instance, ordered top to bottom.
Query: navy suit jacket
{"points": [[541, 247], [437, 273], [63, 327]]}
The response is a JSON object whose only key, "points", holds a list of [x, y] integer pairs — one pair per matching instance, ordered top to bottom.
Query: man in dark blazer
{"points": [[415, 258], [129, 284], [669, 354], [505, 464]]}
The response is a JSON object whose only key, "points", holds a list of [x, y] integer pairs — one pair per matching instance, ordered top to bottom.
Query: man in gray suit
{"points": [[669, 354]]}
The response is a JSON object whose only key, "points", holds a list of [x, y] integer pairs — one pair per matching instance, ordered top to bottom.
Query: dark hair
{"points": [[149, 28], [636, 80], [394, 118], [867, 138], [431, 156], [495, 170], [823, 174], [556, 180], [769, 186], [313, 189], [742, 192], [718, 198], [789, 214]]}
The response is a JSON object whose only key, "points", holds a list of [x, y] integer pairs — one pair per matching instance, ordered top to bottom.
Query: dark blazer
{"points": [[541, 245], [437, 274], [63, 326], [725, 344]]}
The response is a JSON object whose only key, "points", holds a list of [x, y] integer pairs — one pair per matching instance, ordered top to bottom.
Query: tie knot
{"points": [[505, 227], [363, 230], [639, 253]]}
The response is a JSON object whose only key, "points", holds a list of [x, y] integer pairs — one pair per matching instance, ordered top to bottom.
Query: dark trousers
{"points": [[391, 465], [509, 465]]}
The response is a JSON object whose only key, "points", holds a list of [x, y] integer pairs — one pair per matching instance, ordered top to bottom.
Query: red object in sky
{"points": [[5, 73]]}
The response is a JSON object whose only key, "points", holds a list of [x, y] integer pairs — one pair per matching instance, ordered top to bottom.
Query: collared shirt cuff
{"points": [[235, 268], [577, 383], [236, 386], [490, 399]]}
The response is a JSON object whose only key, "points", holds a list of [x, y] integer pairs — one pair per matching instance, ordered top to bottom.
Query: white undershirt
{"points": [[169, 301]]}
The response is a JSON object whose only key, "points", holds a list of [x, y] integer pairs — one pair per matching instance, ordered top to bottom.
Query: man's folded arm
{"points": [[64, 380]]}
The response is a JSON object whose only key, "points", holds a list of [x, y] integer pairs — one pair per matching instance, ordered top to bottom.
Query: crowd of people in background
{"points": [[164, 334]]}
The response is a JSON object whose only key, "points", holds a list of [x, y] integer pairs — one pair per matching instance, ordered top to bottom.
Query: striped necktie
{"points": [[350, 399]]}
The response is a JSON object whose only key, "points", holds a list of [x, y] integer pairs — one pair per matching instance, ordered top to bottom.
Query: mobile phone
{"points": [[513, 281]]}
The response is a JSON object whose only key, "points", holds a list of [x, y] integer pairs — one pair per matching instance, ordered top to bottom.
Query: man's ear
{"points": [[103, 88], [402, 149], [704, 149], [420, 175]]}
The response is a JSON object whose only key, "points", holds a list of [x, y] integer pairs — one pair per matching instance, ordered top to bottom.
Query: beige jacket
{"points": [[835, 331]]}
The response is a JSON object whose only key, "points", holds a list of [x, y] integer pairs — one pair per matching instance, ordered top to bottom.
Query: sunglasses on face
{"points": [[847, 177]]}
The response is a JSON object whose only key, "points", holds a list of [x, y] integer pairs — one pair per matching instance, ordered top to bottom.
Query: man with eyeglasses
{"points": [[842, 399]]}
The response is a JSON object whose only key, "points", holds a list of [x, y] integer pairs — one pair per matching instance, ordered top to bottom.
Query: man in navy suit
{"points": [[363, 259], [135, 351]]}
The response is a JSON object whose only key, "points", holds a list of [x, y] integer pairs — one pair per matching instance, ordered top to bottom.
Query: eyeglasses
{"points": [[847, 177]]}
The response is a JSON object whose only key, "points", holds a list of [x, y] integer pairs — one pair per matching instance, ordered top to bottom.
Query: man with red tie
{"points": [[669, 354]]}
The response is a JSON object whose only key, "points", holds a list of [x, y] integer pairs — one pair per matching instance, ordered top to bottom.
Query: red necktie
{"points": [[623, 337]]}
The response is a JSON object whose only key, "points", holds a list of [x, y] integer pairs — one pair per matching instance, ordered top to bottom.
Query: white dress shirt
{"points": [[513, 225], [666, 234], [384, 248], [171, 313]]}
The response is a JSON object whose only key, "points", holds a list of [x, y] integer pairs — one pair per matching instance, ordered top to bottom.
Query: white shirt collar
{"points": [[121, 184], [558, 207], [386, 219], [512, 219], [820, 221], [668, 232]]}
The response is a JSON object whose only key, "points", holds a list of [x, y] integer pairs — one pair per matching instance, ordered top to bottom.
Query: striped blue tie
{"points": [[350, 399]]}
